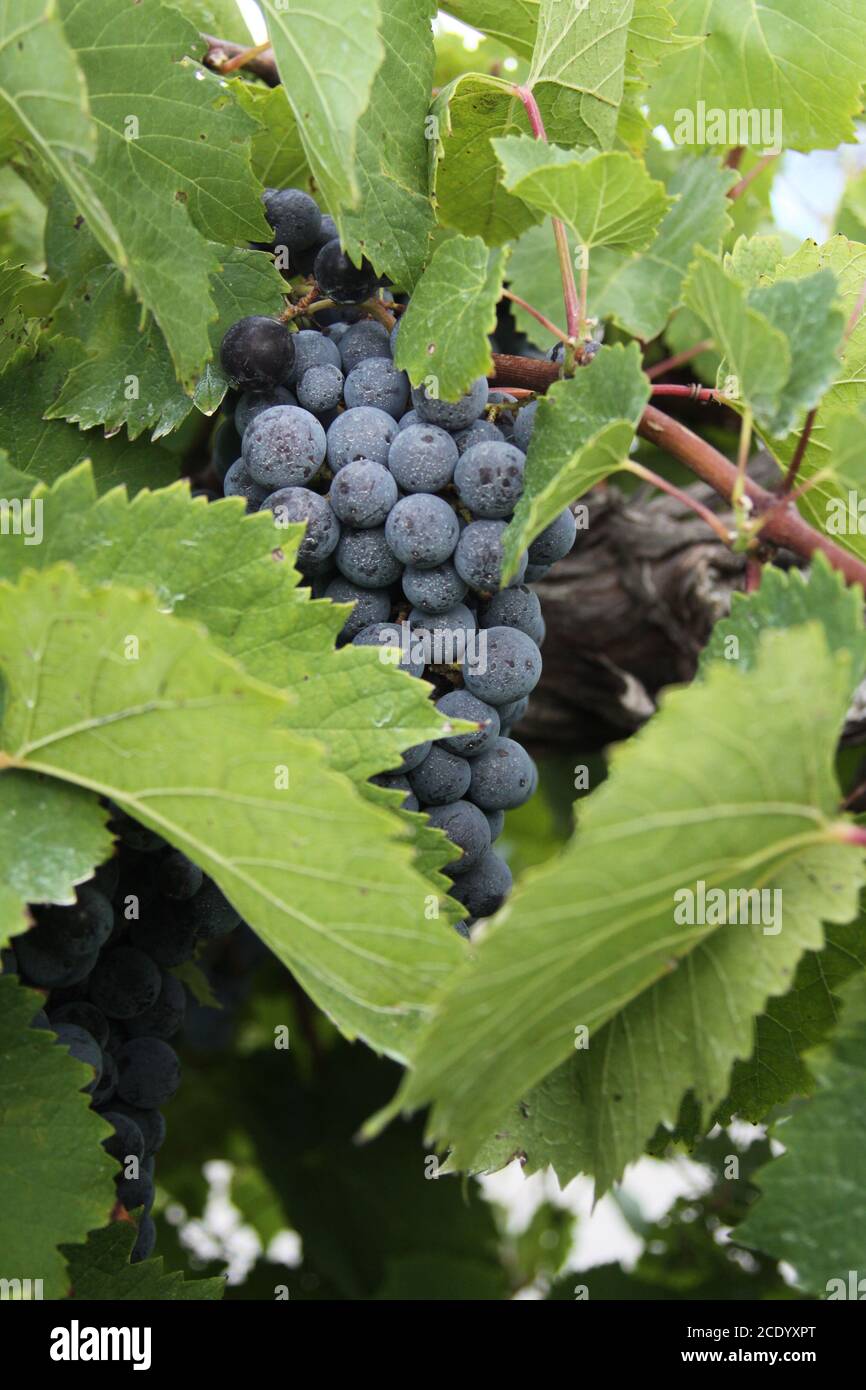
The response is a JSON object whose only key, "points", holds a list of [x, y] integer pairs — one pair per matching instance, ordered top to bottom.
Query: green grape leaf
{"points": [[222, 18], [512, 22], [792, 66], [578, 69], [327, 71], [51, 114], [169, 141], [277, 153], [465, 171], [606, 199], [22, 217], [394, 220], [754, 257], [533, 273], [641, 291], [23, 297], [803, 309], [444, 334], [756, 357], [127, 376], [583, 430], [45, 449], [107, 693], [360, 708], [720, 788], [51, 838], [56, 1181], [810, 1211], [100, 1269]]}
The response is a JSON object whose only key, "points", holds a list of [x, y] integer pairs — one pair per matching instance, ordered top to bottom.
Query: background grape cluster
{"points": [[405, 498], [105, 968]]}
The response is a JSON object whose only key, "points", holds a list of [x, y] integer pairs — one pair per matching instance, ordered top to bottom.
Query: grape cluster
{"points": [[405, 498], [105, 967]]}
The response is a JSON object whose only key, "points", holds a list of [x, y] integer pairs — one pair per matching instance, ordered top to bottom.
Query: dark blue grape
{"points": [[294, 217], [339, 279], [362, 341], [313, 349], [257, 352], [377, 382], [321, 389], [255, 403], [451, 415], [410, 418], [523, 425], [481, 432], [362, 433], [284, 447], [422, 458], [489, 479], [239, 483], [363, 493], [291, 505], [422, 530], [555, 541], [478, 556], [365, 558], [434, 590], [371, 605], [515, 607], [389, 635], [508, 666], [459, 704], [413, 757], [502, 776], [440, 778], [397, 783], [496, 821], [466, 827], [178, 877], [483, 888], [210, 914], [167, 938], [125, 982], [84, 1015], [165, 1017], [84, 1047], [148, 1072], [150, 1122], [127, 1141], [145, 1241]]}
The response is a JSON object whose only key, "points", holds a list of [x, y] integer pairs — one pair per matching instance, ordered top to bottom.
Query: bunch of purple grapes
{"points": [[405, 498], [105, 966]]}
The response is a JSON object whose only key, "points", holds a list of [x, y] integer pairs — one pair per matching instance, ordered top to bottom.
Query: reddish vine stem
{"points": [[219, 52], [739, 188], [574, 312], [537, 315], [679, 359], [693, 393], [802, 444], [714, 522], [783, 524]]}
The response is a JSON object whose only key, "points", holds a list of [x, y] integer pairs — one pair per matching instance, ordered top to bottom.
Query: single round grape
{"points": [[294, 217], [302, 262], [339, 279], [361, 342], [313, 349], [257, 352], [378, 383], [321, 389], [255, 403], [451, 415], [410, 418], [504, 418], [523, 425], [481, 432], [362, 433], [284, 447], [422, 458], [489, 479], [238, 482], [363, 493], [298, 504], [422, 530], [555, 541], [478, 556], [365, 558], [434, 590], [371, 605], [515, 607], [389, 635], [444, 637], [508, 666], [459, 704], [413, 757], [441, 777], [501, 777], [397, 783], [496, 821], [466, 827], [130, 832], [178, 877], [483, 888], [209, 914], [82, 928], [165, 937], [43, 961], [84, 1015], [165, 1017], [84, 1047], [148, 1072], [107, 1084], [150, 1122], [127, 1141], [136, 1192], [145, 1241]]}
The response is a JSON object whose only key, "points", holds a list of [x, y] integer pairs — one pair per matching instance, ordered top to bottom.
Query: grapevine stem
{"points": [[220, 50], [241, 59], [739, 188], [536, 314], [573, 316], [679, 359], [695, 393], [802, 444], [692, 502]]}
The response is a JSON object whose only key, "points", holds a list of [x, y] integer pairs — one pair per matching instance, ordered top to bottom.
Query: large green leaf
{"points": [[802, 58], [327, 63], [578, 69], [277, 156], [171, 172], [466, 183], [606, 199], [394, 220], [641, 290], [444, 334], [127, 376], [583, 430], [45, 449], [107, 693], [362, 710], [720, 788], [51, 837], [56, 1181], [810, 1211], [100, 1269]]}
